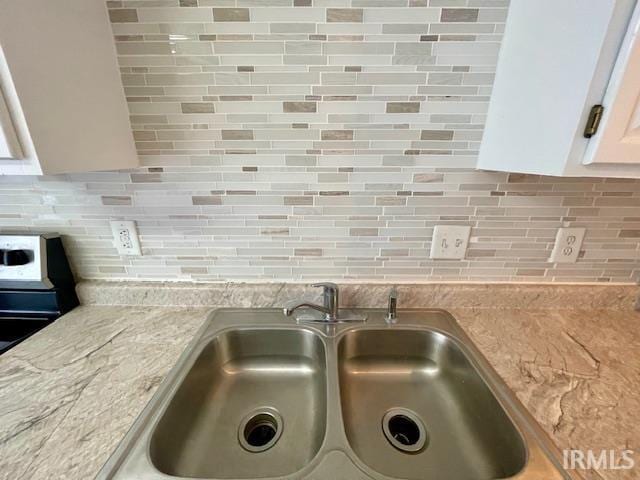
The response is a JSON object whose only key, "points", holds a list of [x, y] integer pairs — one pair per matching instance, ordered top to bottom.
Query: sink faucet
{"points": [[330, 300]]}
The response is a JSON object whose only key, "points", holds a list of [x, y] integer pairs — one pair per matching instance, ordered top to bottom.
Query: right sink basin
{"points": [[415, 407]]}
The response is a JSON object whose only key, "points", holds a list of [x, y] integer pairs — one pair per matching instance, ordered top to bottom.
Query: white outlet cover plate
{"points": [[125, 237], [449, 242], [568, 245]]}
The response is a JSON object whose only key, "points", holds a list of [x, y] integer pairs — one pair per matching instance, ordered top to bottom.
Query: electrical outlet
{"points": [[125, 237], [449, 242], [567, 246]]}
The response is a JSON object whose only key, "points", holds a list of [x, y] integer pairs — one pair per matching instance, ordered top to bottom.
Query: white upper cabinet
{"points": [[562, 66], [62, 105], [618, 141], [10, 148]]}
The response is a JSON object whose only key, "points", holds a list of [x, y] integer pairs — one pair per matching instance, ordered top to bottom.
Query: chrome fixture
{"points": [[330, 300], [392, 307], [404, 429], [260, 430]]}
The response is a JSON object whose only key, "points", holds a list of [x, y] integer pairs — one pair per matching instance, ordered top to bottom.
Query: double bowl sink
{"points": [[257, 395]]}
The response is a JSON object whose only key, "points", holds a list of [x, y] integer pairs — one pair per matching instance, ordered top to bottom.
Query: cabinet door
{"points": [[555, 63], [61, 81], [617, 140], [9, 146]]}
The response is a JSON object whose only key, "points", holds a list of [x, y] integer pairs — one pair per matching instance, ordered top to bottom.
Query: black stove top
{"points": [[36, 286], [14, 330]]}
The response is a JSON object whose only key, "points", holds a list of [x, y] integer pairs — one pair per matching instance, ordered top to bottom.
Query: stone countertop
{"points": [[576, 370], [70, 392]]}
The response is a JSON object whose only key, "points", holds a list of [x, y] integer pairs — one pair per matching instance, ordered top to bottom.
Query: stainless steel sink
{"points": [[264, 375], [256, 395], [467, 433]]}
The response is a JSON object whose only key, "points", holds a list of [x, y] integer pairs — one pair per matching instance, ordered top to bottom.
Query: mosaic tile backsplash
{"points": [[319, 139]]}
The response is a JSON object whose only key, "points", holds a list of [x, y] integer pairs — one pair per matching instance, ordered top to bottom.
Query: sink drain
{"points": [[260, 430], [404, 430]]}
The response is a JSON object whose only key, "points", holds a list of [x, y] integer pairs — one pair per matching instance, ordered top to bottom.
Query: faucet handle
{"points": [[330, 297]]}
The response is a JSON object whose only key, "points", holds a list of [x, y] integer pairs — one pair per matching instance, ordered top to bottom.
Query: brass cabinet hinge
{"points": [[593, 122]]}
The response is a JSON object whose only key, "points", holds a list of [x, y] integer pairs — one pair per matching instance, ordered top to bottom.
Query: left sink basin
{"points": [[252, 405]]}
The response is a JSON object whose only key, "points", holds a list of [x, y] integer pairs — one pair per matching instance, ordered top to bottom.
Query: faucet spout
{"points": [[329, 299], [289, 309]]}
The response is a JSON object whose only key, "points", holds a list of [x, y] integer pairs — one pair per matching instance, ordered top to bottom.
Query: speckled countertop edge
{"points": [[372, 295]]}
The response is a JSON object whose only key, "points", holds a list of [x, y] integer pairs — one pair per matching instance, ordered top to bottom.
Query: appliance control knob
{"points": [[13, 258]]}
